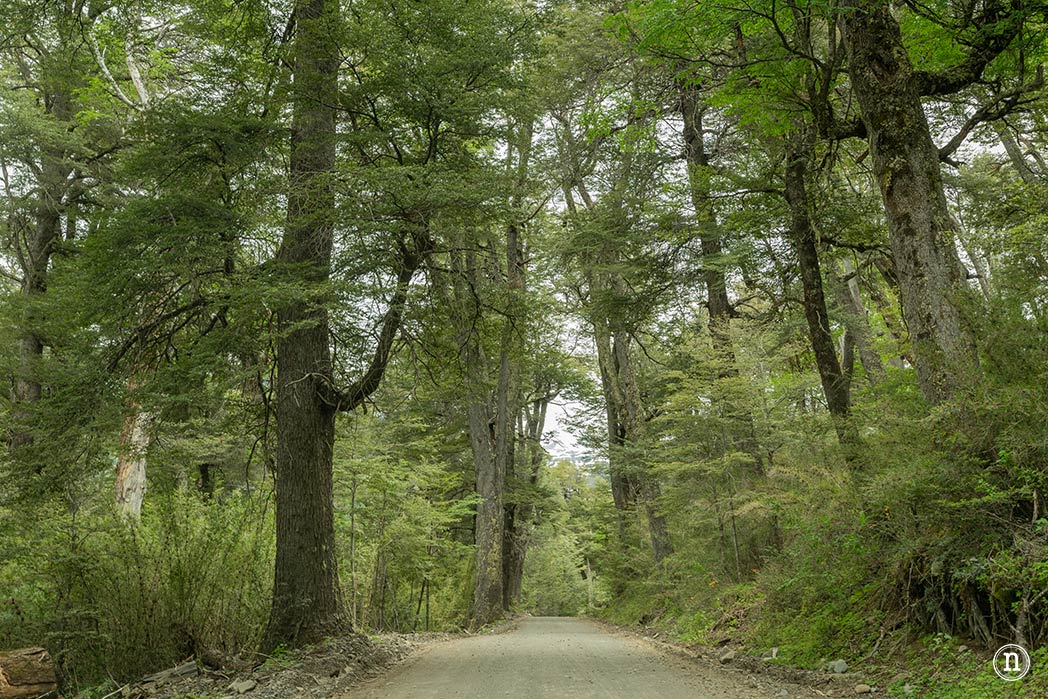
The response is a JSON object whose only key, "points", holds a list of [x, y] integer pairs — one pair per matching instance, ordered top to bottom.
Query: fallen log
{"points": [[28, 672], [173, 673]]}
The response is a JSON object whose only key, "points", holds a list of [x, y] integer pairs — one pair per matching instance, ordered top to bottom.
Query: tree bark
{"points": [[1015, 152], [932, 281], [835, 384], [508, 394], [634, 421], [489, 478], [630, 483], [130, 485], [624, 489], [518, 526], [487, 585], [307, 600], [27, 673]]}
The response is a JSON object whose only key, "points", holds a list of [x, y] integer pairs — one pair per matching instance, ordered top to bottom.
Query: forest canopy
{"points": [[323, 316]]}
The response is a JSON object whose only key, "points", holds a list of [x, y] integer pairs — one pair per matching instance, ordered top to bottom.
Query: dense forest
{"points": [[724, 318]]}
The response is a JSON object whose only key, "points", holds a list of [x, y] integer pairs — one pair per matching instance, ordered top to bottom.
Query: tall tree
{"points": [[43, 51], [714, 262], [834, 379], [509, 391], [307, 600]]}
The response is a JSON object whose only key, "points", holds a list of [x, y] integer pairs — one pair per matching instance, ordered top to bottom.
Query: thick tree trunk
{"points": [[932, 282], [835, 384], [508, 394], [507, 405], [489, 478], [624, 489], [518, 527], [514, 551], [487, 587], [307, 601]]}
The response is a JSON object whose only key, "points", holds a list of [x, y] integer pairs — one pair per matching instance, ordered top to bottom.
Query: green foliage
{"points": [[459, 121], [399, 506], [554, 575], [561, 576], [120, 600], [944, 671]]}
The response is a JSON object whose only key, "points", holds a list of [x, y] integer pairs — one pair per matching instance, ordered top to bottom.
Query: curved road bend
{"points": [[561, 658]]}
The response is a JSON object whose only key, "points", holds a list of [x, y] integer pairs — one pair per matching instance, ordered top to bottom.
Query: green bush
{"points": [[111, 599]]}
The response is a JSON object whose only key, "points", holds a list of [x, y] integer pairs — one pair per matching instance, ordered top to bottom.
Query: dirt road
{"points": [[561, 658]]}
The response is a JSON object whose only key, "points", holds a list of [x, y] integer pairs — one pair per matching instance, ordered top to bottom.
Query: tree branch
{"points": [[998, 25], [997, 108], [354, 396]]}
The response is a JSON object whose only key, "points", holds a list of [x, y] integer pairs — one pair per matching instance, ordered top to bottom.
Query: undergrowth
{"points": [[115, 601]]}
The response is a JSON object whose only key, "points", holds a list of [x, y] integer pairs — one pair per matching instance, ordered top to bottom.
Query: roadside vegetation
{"points": [[724, 320]]}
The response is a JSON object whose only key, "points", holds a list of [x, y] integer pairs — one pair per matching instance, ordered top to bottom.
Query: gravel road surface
{"points": [[563, 658]]}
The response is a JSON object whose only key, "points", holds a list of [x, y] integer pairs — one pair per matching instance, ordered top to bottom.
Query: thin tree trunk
{"points": [[1014, 151], [802, 235], [979, 263], [846, 289], [717, 301], [887, 305], [631, 411], [630, 479], [623, 482], [353, 551], [377, 596]]}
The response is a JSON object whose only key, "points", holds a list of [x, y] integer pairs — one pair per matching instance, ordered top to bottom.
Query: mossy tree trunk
{"points": [[905, 161], [835, 383]]}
